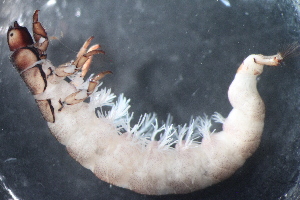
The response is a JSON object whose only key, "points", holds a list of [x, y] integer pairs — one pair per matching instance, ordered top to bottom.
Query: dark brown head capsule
{"points": [[18, 37]]}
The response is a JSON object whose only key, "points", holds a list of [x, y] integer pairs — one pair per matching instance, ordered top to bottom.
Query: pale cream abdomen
{"points": [[143, 157]]}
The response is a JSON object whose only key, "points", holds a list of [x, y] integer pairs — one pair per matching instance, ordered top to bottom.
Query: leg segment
{"points": [[40, 36], [82, 57], [82, 62], [85, 68], [81, 95]]}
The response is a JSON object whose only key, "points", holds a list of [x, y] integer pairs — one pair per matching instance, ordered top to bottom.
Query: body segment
{"points": [[128, 155]]}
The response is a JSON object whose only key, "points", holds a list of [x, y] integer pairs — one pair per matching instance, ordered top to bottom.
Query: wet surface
{"points": [[167, 57]]}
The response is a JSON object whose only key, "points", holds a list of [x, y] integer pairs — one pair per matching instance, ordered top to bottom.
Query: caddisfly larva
{"points": [[131, 156]]}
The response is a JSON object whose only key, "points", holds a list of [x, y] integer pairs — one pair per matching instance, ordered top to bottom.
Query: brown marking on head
{"points": [[18, 37]]}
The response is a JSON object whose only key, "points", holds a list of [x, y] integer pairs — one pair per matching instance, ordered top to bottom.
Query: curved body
{"points": [[131, 156]]}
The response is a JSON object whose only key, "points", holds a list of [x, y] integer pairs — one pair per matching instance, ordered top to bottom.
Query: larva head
{"points": [[18, 37]]}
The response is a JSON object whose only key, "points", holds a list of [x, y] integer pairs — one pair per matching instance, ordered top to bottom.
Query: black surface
{"points": [[175, 57]]}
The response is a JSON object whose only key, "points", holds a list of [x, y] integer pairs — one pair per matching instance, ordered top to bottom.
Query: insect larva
{"points": [[131, 156]]}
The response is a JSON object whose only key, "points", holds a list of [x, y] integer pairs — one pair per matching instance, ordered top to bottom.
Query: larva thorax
{"points": [[131, 156]]}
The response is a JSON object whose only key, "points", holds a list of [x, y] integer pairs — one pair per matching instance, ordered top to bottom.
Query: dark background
{"points": [[175, 57]]}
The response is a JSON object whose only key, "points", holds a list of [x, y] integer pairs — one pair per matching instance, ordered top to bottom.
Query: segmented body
{"points": [[131, 156]]}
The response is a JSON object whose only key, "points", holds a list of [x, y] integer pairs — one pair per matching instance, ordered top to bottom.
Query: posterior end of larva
{"points": [[290, 50], [254, 63]]}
